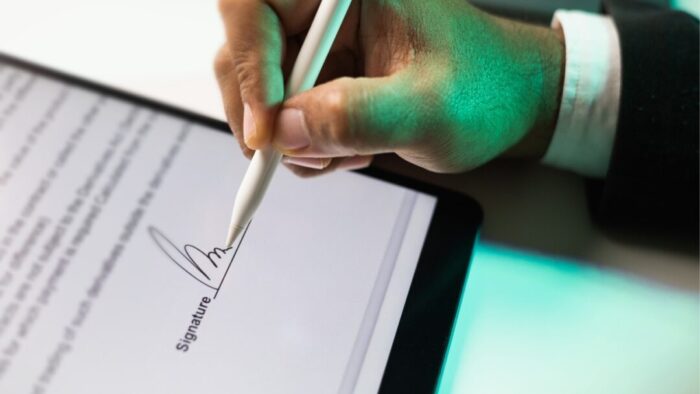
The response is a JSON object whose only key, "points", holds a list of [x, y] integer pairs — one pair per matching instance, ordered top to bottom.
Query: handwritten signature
{"points": [[208, 268]]}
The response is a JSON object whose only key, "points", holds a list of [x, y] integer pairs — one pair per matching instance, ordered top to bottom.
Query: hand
{"points": [[442, 84]]}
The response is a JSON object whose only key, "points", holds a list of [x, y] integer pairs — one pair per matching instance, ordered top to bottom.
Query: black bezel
{"points": [[425, 327]]}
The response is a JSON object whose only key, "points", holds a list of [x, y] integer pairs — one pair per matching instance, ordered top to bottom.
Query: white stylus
{"points": [[308, 65]]}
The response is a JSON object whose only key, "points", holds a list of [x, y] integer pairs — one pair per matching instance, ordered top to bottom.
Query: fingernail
{"points": [[249, 128], [292, 132], [307, 162], [355, 163]]}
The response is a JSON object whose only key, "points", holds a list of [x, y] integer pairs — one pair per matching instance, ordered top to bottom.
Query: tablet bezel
{"points": [[421, 341]]}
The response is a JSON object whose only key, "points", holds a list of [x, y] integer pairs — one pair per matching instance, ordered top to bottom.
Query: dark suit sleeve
{"points": [[653, 175]]}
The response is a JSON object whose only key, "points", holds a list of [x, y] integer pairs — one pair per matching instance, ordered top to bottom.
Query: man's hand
{"points": [[442, 84]]}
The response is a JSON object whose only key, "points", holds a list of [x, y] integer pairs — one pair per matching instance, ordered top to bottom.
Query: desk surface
{"points": [[553, 304]]}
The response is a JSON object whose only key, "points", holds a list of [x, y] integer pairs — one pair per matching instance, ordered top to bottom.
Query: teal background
{"points": [[530, 323]]}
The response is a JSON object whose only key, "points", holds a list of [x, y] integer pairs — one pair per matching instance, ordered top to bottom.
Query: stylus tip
{"points": [[233, 233]]}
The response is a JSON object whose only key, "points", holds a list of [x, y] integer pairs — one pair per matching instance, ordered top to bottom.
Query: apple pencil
{"points": [[308, 65]]}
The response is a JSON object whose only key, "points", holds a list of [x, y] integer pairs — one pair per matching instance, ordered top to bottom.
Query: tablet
{"points": [[113, 277]]}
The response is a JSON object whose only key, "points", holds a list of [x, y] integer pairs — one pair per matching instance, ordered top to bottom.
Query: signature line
{"points": [[232, 258]]}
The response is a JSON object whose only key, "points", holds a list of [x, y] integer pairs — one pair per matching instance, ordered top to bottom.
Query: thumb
{"points": [[347, 117]]}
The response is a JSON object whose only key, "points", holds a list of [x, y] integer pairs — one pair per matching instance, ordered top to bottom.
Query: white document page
{"points": [[112, 276]]}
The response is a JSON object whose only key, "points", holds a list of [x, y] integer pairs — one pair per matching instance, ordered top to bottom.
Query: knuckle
{"points": [[222, 62], [246, 65], [248, 75], [247, 82], [337, 126]]}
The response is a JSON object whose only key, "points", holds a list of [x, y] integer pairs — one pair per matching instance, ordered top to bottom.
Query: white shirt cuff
{"points": [[585, 133]]}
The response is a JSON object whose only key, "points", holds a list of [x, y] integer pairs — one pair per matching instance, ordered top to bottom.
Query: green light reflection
{"points": [[534, 324]]}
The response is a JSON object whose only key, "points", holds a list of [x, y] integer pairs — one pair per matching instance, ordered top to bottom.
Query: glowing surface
{"points": [[690, 6], [529, 323]]}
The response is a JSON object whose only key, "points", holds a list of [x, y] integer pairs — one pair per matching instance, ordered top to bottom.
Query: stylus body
{"points": [[306, 68]]}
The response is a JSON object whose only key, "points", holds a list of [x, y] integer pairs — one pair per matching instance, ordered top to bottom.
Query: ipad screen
{"points": [[113, 275]]}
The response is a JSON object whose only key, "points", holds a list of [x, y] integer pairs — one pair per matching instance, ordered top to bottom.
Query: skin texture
{"points": [[440, 83]]}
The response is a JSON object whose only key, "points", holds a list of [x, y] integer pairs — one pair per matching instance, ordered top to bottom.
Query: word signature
{"points": [[208, 268]]}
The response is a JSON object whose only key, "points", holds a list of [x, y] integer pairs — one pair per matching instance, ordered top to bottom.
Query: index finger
{"points": [[256, 37]]}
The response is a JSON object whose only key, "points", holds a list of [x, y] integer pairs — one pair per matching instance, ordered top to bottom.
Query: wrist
{"points": [[549, 54]]}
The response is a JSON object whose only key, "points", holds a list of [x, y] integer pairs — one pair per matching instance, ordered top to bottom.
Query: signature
{"points": [[207, 267]]}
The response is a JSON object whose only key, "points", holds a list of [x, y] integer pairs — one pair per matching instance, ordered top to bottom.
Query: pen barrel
{"points": [[316, 46], [312, 55], [255, 182]]}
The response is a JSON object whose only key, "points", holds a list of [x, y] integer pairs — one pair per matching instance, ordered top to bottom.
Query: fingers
{"points": [[257, 32], [256, 43], [228, 84], [349, 117], [313, 163], [354, 163], [305, 167], [309, 167]]}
